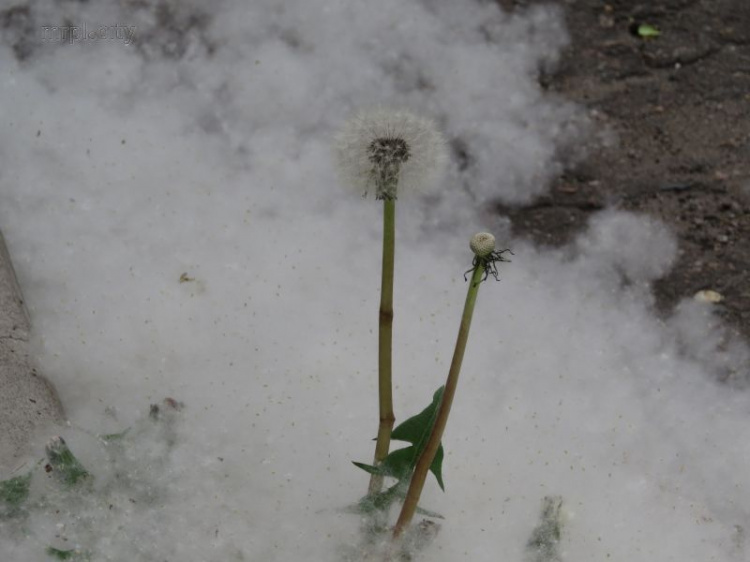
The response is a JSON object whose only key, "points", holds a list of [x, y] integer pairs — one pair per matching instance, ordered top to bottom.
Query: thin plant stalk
{"points": [[385, 344], [433, 442]]}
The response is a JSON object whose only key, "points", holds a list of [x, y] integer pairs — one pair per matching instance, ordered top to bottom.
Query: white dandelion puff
{"points": [[389, 152]]}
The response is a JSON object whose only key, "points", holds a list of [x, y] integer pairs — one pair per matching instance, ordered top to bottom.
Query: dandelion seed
{"points": [[388, 152]]}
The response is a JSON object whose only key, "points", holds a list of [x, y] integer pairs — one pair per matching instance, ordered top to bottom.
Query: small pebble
{"points": [[709, 296]]}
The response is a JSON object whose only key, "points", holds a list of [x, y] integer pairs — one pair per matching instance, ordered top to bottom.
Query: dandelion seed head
{"points": [[389, 152], [482, 244]]}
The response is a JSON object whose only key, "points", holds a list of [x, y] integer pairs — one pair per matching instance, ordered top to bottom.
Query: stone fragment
{"points": [[28, 401]]}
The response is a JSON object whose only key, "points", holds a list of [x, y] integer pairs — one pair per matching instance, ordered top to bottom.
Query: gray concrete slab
{"points": [[28, 402]]}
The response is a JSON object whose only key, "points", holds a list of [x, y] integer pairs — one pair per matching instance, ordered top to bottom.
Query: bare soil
{"points": [[679, 104]]}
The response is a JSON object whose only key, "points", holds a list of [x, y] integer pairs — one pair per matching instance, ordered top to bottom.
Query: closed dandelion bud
{"points": [[388, 152], [482, 244]]}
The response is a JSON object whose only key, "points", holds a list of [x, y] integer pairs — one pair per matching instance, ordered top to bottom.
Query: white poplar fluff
{"points": [[389, 152], [482, 244]]}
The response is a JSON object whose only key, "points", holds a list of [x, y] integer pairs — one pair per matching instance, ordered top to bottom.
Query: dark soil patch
{"points": [[679, 105]]}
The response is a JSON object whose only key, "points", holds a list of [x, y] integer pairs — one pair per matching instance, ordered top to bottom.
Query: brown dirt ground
{"points": [[679, 104]]}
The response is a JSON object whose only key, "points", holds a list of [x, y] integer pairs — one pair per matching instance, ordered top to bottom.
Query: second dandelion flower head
{"points": [[389, 152]]}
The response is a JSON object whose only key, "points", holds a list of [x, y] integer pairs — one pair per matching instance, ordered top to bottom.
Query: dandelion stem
{"points": [[385, 344], [433, 442]]}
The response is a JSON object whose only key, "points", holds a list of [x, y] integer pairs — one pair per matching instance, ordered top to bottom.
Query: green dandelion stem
{"points": [[385, 344], [433, 442]]}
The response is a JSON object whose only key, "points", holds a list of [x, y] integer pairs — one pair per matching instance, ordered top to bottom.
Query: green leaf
{"points": [[647, 31], [417, 428], [114, 436], [62, 460], [400, 463], [437, 467], [368, 468], [13, 492], [381, 500], [542, 545], [60, 554], [75, 555]]}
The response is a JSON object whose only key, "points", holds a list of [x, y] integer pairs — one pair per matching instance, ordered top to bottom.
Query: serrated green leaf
{"points": [[417, 428], [114, 436], [62, 460], [400, 463], [437, 467], [368, 468], [13, 492], [381, 500], [543, 543], [60, 554], [72, 554]]}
